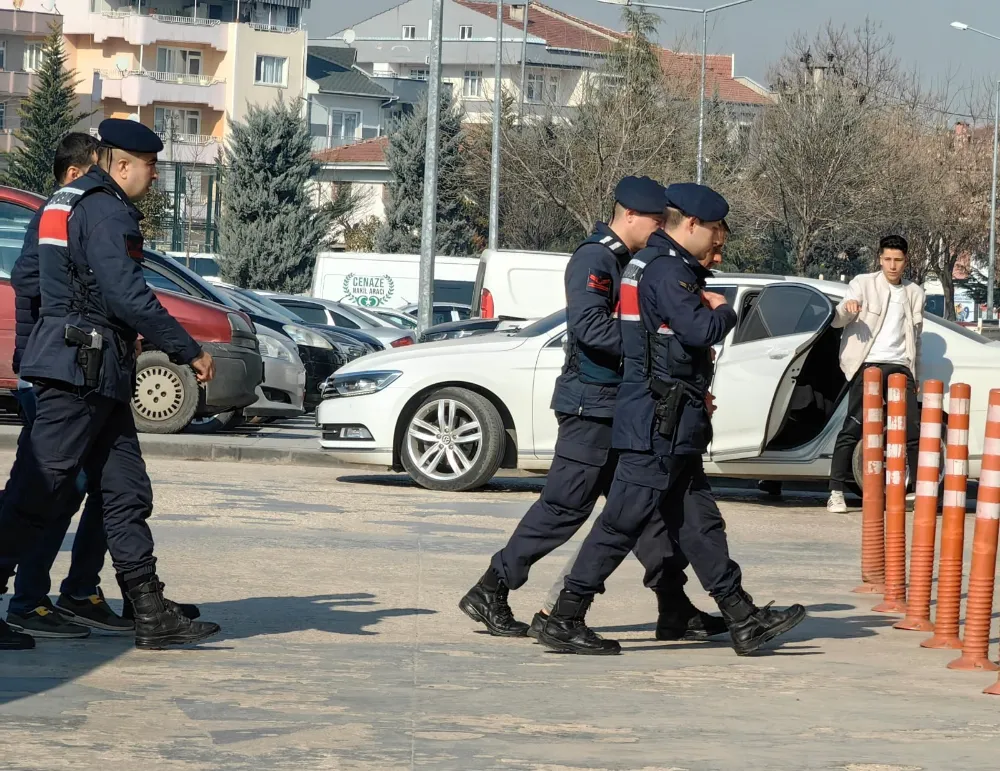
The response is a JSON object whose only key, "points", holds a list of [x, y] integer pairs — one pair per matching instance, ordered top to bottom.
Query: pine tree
{"points": [[47, 115], [269, 229], [456, 234]]}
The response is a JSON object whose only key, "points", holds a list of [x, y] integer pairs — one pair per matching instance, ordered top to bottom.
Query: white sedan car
{"points": [[452, 413]]}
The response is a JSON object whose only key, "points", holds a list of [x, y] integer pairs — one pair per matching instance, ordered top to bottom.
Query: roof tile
{"points": [[367, 151]]}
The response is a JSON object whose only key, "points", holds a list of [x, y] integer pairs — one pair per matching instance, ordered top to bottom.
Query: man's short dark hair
{"points": [[75, 149], [893, 242]]}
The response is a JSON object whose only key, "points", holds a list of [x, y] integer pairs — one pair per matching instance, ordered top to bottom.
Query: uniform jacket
{"points": [[100, 243], [593, 280], [27, 298], [665, 302], [860, 330]]}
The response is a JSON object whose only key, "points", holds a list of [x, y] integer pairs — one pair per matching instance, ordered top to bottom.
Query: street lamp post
{"points": [[704, 55], [991, 266]]}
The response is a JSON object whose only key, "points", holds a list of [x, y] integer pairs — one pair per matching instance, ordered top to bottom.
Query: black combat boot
{"points": [[486, 602], [185, 609], [679, 619], [537, 624], [157, 625], [750, 626], [566, 632]]}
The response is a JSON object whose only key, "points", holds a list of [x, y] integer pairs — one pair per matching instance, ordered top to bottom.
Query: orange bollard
{"points": [[873, 494], [895, 498], [982, 574], [949, 596], [918, 606]]}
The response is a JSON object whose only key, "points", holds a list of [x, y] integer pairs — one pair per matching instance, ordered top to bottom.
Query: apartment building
{"points": [[22, 31], [561, 53], [185, 68]]}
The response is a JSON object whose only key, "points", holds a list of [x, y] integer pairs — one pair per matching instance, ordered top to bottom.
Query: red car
{"points": [[167, 396]]}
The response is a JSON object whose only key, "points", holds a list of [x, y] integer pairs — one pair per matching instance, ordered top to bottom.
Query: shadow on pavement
{"points": [[54, 663]]}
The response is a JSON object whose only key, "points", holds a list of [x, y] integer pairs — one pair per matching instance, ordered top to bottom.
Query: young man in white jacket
{"points": [[882, 317]]}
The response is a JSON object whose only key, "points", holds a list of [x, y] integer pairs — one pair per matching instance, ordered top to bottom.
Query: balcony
{"points": [[26, 22], [144, 30], [16, 83], [142, 88], [189, 148]]}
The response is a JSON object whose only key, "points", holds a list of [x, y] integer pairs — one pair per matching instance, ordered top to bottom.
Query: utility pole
{"points": [[428, 227], [494, 235]]}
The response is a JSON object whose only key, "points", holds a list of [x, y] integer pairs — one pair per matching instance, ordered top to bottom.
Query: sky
{"points": [[758, 32]]}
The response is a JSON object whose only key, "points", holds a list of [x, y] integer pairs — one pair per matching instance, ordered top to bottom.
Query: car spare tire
{"points": [[165, 396], [453, 441]]}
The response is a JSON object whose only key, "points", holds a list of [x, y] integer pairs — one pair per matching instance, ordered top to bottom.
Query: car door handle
{"points": [[778, 353]]}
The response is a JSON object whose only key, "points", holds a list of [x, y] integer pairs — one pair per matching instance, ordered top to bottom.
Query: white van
{"points": [[390, 280], [519, 285]]}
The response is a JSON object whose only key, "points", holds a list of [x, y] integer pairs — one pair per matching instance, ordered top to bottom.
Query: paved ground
{"points": [[344, 649]]}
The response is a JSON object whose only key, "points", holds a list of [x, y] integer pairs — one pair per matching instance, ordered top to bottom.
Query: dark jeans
{"points": [[74, 431], [842, 465], [581, 472], [670, 488], [89, 545]]}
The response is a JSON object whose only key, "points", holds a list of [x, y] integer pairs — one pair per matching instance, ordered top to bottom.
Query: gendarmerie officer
{"points": [[81, 358], [662, 426], [584, 463]]}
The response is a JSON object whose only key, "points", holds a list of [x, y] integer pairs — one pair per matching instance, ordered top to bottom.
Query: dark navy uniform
{"points": [[90, 280], [584, 460]]}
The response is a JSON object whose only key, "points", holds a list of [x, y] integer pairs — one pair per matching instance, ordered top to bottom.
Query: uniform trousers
{"points": [[76, 430], [582, 471], [672, 490], [33, 581]]}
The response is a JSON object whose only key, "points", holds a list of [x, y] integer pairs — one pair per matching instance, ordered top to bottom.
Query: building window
{"points": [[292, 18], [409, 32], [465, 32], [3, 54], [33, 57], [178, 61], [271, 70], [420, 74], [472, 84], [533, 87], [553, 94], [3, 116], [172, 122], [345, 124]]}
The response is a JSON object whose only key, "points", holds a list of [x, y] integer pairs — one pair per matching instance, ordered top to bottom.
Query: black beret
{"points": [[129, 135], [640, 194], [697, 201]]}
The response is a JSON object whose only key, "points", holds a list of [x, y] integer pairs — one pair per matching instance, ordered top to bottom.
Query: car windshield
{"points": [[211, 292], [266, 304], [360, 314], [400, 320], [542, 326], [958, 329]]}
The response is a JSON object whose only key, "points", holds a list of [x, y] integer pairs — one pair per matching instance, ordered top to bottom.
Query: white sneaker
{"points": [[836, 504]]}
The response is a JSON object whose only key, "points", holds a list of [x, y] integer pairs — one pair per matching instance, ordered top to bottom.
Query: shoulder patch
{"points": [[599, 282]]}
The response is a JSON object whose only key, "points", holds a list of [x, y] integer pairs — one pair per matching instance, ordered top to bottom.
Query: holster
{"points": [[88, 356], [670, 398]]}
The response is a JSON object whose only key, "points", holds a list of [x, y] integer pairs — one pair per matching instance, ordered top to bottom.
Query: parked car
{"points": [[519, 285], [442, 313], [340, 315], [396, 318], [453, 330], [318, 354], [171, 398], [451, 413]]}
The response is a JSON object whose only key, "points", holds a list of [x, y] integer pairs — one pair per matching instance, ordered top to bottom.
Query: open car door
{"points": [[754, 376]]}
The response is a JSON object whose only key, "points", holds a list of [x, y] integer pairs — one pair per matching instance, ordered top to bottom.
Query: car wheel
{"points": [[165, 396], [212, 423], [454, 441]]}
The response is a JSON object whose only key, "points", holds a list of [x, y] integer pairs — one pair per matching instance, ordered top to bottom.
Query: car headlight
{"points": [[303, 336], [272, 347], [357, 383]]}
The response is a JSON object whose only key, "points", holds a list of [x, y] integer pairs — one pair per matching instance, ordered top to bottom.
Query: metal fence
{"points": [[191, 220]]}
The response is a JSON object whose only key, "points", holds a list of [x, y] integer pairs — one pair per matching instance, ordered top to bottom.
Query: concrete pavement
{"points": [[343, 648]]}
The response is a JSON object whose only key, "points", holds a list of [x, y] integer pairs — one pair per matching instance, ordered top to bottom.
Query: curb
{"points": [[154, 448]]}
